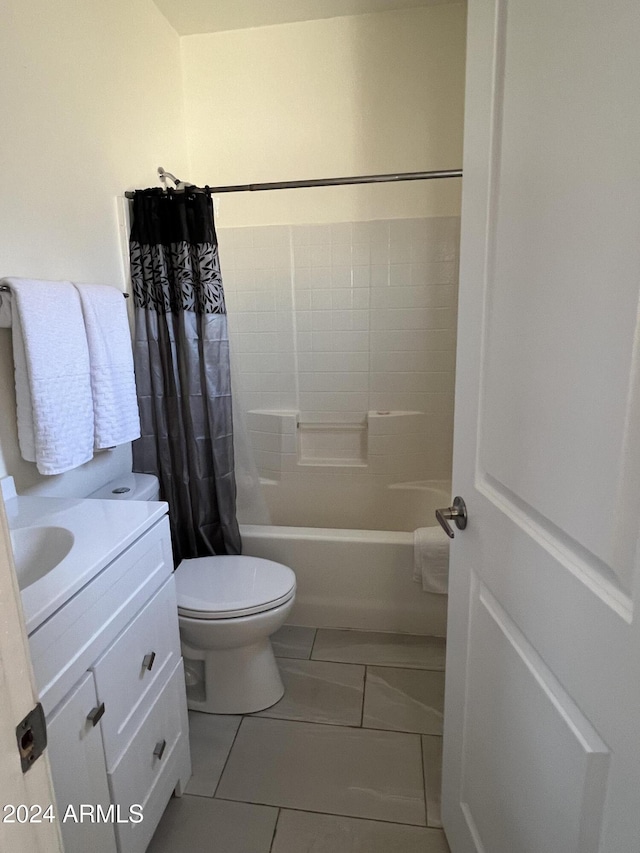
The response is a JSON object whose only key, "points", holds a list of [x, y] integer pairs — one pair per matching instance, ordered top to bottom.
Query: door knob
{"points": [[456, 513]]}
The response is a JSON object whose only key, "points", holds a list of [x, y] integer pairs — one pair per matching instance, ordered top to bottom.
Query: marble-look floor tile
{"points": [[293, 641], [370, 647], [319, 692], [405, 700], [210, 739], [432, 758], [330, 769], [203, 825], [304, 832]]}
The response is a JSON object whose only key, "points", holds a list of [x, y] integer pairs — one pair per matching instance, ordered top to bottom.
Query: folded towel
{"points": [[53, 389], [115, 407], [431, 559]]}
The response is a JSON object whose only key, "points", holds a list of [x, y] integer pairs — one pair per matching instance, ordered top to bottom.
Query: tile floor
{"points": [[347, 762]]}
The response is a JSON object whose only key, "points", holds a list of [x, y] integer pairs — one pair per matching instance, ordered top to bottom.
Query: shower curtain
{"points": [[181, 355]]}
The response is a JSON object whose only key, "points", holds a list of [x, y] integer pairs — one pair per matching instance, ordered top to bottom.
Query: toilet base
{"points": [[233, 681]]}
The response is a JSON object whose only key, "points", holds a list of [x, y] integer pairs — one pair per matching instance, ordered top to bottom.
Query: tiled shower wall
{"points": [[335, 321]]}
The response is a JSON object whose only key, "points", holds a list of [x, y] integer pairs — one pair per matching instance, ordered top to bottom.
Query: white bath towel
{"points": [[53, 389], [115, 407], [431, 559]]}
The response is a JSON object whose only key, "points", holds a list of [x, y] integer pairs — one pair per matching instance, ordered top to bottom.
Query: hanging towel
{"points": [[53, 389], [115, 407], [431, 559]]}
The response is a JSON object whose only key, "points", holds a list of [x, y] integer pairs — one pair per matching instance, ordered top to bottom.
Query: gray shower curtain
{"points": [[181, 355]]}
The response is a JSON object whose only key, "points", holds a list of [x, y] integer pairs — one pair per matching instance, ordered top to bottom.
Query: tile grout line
{"points": [[313, 643], [382, 665], [364, 690], [256, 716], [226, 761], [424, 781], [328, 814], [275, 829]]}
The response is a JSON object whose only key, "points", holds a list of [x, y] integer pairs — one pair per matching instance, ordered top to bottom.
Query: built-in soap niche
{"points": [[332, 443], [390, 443]]}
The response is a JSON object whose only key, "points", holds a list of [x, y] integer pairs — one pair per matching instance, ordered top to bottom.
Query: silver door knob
{"points": [[456, 513]]}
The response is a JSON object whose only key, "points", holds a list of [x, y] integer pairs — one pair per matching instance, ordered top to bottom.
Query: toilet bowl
{"points": [[228, 608]]}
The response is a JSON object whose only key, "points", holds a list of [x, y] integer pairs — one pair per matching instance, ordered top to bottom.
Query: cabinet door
{"points": [[79, 773]]}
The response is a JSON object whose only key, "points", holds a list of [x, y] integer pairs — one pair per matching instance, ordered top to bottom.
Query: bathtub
{"points": [[353, 558]]}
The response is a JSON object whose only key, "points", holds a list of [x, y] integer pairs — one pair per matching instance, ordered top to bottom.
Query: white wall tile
{"points": [[341, 233], [319, 235], [341, 255], [320, 256], [400, 274], [379, 275], [341, 276], [320, 277], [361, 277], [321, 299], [336, 320], [321, 321], [266, 322], [322, 342]]}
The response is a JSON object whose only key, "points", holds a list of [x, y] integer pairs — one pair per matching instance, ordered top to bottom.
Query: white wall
{"points": [[345, 96], [91, 101]]}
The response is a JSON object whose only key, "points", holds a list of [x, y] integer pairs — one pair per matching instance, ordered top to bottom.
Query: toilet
{"points": [[228, 608]]}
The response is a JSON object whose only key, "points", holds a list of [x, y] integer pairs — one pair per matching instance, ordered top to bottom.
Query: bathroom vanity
{"points": [[103, 634]]}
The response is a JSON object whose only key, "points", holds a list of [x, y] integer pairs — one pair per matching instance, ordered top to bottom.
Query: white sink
{"points": [[61, 544], [37, 550]]}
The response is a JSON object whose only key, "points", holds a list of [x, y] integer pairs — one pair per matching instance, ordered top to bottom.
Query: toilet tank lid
{"points": [[130, 487]]}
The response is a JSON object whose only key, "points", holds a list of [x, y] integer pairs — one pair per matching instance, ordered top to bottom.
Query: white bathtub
{"points": [[359, 577]]}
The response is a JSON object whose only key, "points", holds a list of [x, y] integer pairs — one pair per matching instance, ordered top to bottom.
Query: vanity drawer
{"points": [[132, 672], [144, 777]]}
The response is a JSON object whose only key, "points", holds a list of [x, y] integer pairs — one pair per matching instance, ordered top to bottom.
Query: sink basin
{"points": [[37, 550]]}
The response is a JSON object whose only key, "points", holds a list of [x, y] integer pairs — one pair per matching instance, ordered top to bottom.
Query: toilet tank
{"points": [[130, 487]]}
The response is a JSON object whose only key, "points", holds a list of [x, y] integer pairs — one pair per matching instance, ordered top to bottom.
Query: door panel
{"points": [[542, 711], [521, 727]]}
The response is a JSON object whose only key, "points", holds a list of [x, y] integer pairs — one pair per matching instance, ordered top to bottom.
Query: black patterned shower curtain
{"points": [[181, 354]]}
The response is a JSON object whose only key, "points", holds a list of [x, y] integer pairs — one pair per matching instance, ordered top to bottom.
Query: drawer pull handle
{"points": [[147, 660], [95, 715], [159, 750]]}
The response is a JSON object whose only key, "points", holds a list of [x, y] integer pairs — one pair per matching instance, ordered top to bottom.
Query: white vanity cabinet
{"points": [[116, 643], [80, 776]]}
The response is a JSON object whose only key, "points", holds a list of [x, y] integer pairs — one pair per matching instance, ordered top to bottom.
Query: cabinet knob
{"points": [[147, 660], [95, 715], [159, 750]]}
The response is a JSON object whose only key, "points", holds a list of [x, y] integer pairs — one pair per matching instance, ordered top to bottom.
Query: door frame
{"points": [[19, 696]]}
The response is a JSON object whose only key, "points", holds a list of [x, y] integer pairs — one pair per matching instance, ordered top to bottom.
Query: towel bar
{"points": [[4, 288]]}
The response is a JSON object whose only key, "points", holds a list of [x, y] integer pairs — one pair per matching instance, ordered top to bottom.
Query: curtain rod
{"points": [[326, 182]]}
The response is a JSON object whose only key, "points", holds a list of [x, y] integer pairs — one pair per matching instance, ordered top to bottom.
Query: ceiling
{"points": [[209, 16]]}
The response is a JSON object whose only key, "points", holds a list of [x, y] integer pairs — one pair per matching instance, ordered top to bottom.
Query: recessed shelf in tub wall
{"points": [[332, 443], [390, 443]]}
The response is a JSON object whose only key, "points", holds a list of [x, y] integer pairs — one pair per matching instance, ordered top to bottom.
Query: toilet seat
{"points": [[229, 587]]}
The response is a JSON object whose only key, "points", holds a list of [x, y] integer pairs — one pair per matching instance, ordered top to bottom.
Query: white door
{"points": [[542, 714], [33, 790]]}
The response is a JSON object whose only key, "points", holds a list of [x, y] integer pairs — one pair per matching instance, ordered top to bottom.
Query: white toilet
{"points": [[228, 607]]}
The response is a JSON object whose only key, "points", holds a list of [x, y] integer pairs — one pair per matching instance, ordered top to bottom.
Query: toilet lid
{"points": [[225, 587]]}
